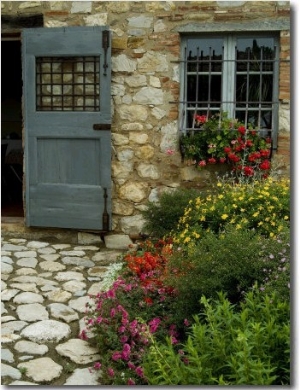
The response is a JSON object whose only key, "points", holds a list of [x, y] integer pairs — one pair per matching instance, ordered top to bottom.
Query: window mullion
{"points": [[228, 82]]}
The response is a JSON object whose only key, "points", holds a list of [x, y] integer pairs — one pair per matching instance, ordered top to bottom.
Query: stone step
{"points": [[15, 227]]}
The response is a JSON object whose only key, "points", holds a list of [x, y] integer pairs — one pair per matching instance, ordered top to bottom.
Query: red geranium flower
{"points": [[242, 130], [212, 160], [265, 165], [248, 171]]}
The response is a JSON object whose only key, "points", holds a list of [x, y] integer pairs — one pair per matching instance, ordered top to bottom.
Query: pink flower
{"points": [[170, 152], [222, 159], [202, 163], [111, 293], [112, 312], [186, 322], [154, 324], [122, 329], [83, 335], [123, 339], [126, 352], [116, 356], [97, 366], [131, 366], [139, 371], [110, 372], [130, 382]]}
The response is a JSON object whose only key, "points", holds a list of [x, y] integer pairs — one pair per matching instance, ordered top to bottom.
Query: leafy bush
{"points": [[262, 205], [163, 216], [230, 262], [230, 347]]}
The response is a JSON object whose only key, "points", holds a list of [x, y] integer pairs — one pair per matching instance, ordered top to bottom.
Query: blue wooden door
{"points": [[66, 95]]}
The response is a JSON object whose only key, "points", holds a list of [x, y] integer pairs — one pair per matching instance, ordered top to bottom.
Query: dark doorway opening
{"points": [[11, 129]]}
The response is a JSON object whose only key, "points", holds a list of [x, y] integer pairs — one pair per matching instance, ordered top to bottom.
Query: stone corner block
{"points": [[117, 241]]}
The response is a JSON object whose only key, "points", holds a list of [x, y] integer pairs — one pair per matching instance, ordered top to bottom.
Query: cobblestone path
{"points": [[44, 289]]}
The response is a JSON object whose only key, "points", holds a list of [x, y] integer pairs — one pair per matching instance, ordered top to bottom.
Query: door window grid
{"points": [[224, 78], [67, 84]]}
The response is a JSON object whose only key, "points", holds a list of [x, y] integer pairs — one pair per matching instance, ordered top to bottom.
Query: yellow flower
{"points": [[219, 184], [220, 196], [234, 206], [255, 214], [224, 216], [285, 217], [202, 218], [238, 226], [196, 234], [271, 234], [187, 239]]}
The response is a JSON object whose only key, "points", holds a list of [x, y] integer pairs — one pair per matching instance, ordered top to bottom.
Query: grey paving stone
{"points": [[37, 244], [12, 247], [73, 253], [25, 254], [27, 262], [82, 262], [51, 266], [6, 268], [69, 275], [8, 294], [58, 295], [28, 297], [32, 312], [63, 312], [12, 327], [46, 331], [24, 346], [79, 351], [7, 355], [42, 369], [8, 371], [83, 377]]}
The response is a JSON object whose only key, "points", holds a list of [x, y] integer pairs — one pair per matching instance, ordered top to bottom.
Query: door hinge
{"points": [[105, 46]]}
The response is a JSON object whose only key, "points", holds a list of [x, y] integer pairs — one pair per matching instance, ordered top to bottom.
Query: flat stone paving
{"points": [[44, 289]]}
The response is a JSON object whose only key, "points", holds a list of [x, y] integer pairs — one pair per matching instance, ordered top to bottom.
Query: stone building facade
{"points": [[145, 89]]}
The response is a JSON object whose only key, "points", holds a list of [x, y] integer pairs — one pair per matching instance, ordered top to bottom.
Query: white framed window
{"points": [[236, 73]]}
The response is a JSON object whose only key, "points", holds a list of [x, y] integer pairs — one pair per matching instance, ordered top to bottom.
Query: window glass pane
{"points": [[252, 52], [204, 64], [254, 88]]}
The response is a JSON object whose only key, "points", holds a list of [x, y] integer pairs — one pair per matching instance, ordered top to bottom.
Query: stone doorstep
{"points": [[14, 227]]}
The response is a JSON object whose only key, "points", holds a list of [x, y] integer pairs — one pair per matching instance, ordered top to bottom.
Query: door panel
{"points": [[66, 91]]}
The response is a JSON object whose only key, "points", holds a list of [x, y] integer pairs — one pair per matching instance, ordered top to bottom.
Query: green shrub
{"points": [[262, 205], [163, 216], [230, 262], [228, 347]]}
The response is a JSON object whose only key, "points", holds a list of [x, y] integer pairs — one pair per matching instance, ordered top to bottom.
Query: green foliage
{"points": [[262, 205], [163, 216], [230, 262], [249, 346]]}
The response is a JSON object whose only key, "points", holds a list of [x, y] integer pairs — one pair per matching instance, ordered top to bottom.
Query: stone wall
{"points": [[145, 85]]}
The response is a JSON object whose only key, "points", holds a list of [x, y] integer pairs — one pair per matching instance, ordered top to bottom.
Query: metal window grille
{"points": [[236, 75], [67, 84]]}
